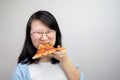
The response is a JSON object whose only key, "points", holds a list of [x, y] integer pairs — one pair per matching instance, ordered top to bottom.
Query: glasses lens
{"points": [[51, 33], [37, 34]]}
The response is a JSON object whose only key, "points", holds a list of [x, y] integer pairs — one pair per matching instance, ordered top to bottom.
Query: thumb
{"points": [[58, 46]]}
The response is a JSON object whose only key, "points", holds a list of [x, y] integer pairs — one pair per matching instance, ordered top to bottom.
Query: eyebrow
{"points": [[40, 30]]}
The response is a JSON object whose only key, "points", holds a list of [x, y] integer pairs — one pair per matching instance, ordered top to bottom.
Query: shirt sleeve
{"points": [[21, 72], [82, 76]]}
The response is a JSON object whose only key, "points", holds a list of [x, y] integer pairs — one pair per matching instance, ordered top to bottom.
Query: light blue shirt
{"points": [[22, 73]]}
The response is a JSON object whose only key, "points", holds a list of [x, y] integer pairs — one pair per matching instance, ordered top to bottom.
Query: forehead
{"points": [[38, 25]]}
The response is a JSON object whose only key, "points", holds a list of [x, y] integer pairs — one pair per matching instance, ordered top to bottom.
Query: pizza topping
{"points": [[46, 49]]}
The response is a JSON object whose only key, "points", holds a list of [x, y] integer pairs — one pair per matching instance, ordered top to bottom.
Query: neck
{"points": [[45, 59]]}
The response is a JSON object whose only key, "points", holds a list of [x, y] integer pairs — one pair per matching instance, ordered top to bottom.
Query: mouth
{"points": [[44, 42]]}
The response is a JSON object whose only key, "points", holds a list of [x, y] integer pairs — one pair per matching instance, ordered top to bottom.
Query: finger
{"points": [[58, 46], [58, 52], [51, 55]]}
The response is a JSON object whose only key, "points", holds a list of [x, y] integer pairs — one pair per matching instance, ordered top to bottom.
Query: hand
{"points": [[60, 55]]}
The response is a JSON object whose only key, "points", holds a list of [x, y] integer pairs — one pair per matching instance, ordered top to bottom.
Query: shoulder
{"points": [[21, 67], [21, 71]]}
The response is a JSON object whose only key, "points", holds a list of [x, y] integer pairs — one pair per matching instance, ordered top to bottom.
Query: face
{"points": [[40, 33]]}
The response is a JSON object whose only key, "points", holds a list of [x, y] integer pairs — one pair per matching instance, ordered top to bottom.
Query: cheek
{"points": [[53, 41], [35, 42]]}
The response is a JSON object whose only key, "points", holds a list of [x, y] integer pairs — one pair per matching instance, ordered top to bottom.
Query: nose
{"points": [[44, 37]]}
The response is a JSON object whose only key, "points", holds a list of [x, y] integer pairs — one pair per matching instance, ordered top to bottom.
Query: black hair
{"points": [[29, 50]]}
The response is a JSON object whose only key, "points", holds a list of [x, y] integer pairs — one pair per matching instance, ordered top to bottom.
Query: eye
{"points": [[39, 32], [36, 33]]}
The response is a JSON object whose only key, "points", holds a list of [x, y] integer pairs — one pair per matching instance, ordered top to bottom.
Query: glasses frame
{"points": [[41, 33]]}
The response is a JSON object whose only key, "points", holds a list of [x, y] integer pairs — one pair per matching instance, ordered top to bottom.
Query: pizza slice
{"points": [[46, 49]]}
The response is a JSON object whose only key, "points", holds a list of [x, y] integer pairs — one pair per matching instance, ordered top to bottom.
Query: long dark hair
{"points": [[29, 50]]}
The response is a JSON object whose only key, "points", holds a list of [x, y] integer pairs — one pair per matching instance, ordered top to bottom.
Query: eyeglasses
{"points": [[49, 34]]}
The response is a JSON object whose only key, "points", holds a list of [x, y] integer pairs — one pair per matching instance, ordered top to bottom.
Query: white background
{"points": [[90, 30]]}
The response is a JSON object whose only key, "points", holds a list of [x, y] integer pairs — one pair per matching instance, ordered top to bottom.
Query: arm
{"points": [[70, 70]]}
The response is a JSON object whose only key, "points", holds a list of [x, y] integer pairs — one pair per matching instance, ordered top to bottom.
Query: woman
{"points": [[42, 27]]}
